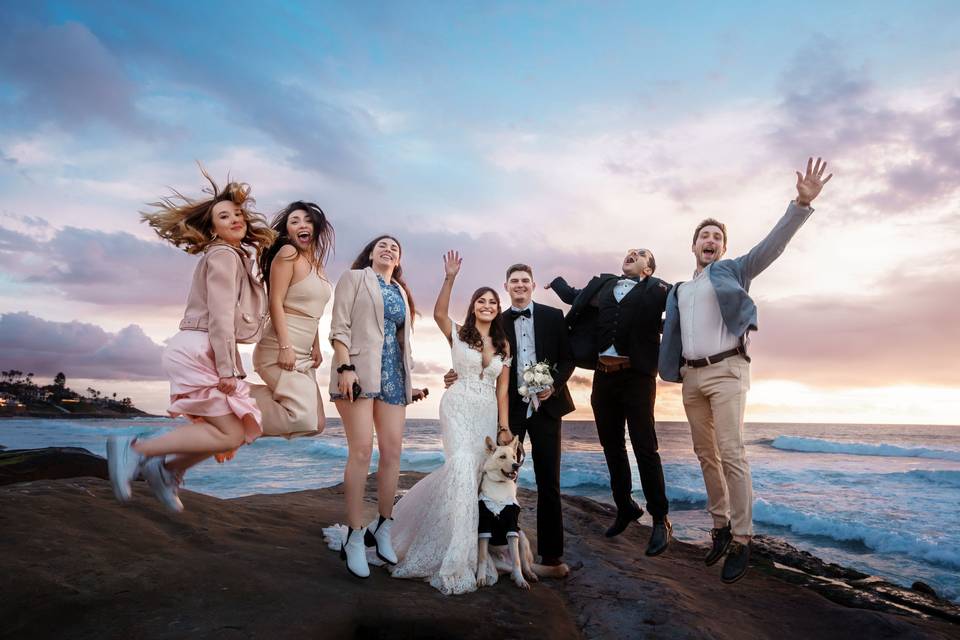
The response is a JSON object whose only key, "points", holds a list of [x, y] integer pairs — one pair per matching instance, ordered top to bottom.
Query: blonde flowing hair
{"points": [[188, 224]]}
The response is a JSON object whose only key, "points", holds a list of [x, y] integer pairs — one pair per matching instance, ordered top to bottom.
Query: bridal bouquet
{"points": [[537, 378]]}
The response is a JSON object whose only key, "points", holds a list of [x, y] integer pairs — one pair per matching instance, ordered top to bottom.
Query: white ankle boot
{"points": [[378, 535], [353, 551]]}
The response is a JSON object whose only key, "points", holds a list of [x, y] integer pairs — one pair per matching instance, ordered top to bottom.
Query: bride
{"points": [[435, 523]]}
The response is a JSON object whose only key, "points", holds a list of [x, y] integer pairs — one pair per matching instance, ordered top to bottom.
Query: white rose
{"points": [[528, 376], [539, 378], [548, 379], [523, 390]]}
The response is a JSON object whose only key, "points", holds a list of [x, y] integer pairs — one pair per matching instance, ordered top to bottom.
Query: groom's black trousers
{"points": [[629, 395], [544, 432]]}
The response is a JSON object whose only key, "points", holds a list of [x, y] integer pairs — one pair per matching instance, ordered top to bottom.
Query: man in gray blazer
{"points": [[704, 346]]}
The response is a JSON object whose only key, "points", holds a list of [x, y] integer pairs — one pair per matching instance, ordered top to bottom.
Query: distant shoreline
{"points": [[79, 416]]}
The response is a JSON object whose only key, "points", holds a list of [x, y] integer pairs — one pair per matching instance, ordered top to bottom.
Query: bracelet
{"points": [[282, 348], [346, 367]]}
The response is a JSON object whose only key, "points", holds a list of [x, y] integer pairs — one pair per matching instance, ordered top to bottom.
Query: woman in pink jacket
{"points": [[226, 306]]}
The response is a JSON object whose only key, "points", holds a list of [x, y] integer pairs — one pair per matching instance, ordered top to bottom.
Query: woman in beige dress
{"points": [[288, 354]]}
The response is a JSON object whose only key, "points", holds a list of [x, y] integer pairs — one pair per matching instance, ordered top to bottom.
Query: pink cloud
{"points": [[79, 349]]}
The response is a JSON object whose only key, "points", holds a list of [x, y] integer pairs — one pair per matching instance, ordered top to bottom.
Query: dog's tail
{"points": [[550, 571]]}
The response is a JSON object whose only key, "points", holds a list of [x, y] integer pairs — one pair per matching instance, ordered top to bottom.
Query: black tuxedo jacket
{"points": [[643, 311], [552, 344]]}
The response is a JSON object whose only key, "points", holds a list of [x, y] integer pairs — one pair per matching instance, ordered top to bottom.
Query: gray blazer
{"points": [[731, 280], [357, 322]]}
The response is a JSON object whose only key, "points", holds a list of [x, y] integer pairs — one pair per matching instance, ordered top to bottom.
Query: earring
{"points": [[214, 236]]}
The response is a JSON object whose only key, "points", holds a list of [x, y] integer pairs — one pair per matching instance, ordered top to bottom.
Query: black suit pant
{"points": [[629, 396], [544, 432]]}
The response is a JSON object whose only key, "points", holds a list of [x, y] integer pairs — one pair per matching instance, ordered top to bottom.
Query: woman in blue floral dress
{"points": [[370, 385]]}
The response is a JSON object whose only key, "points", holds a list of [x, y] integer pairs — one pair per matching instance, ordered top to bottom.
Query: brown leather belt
{"points": [[717, 357], [610, 367]]}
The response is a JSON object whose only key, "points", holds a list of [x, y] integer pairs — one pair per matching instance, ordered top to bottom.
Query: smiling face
{"points": [[229, 222], [300, 229], [709, 245], [385, 254], [638, 263], [520, 286], [486, 306], [503, 461]]}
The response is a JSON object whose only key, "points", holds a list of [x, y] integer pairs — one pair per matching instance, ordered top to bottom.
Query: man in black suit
{"points": [[615, 324], [538, 333]]}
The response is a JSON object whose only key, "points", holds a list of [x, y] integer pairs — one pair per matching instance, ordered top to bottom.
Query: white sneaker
{"points": [[122, 463], [163, 483], [378, 535], [355, 554]]}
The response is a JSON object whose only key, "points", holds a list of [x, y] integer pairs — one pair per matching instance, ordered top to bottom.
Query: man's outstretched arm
{"points": [[769, 249]]}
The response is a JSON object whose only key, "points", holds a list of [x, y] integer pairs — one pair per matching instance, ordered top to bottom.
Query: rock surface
{"points": [[78, 565]]}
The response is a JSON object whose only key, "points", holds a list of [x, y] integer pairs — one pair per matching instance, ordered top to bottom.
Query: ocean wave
{"points": [[818, 445], [417, 457], [941, 477], [876, 539]]}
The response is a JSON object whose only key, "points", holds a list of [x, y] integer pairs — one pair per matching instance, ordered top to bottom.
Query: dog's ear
{"points": [[515, 443], [491, 445]]}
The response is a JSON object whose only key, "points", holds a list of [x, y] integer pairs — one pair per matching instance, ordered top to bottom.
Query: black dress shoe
{"points": [[623, 521], [660, 537], [721, 540], [735, 566]]}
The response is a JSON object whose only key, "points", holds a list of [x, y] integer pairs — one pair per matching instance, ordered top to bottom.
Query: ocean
{"points": [[879, 498]]}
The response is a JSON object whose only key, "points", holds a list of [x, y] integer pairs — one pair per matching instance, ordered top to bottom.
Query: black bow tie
{"points": [[634, 278], [514, 314]]}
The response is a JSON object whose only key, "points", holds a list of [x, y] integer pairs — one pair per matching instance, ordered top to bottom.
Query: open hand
{"points": [[809, 185], [451, 263]]}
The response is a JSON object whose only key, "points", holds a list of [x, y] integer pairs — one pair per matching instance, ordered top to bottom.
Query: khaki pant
{"points": [[714, 398]]}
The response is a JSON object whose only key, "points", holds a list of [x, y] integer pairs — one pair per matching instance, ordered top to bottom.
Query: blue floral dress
{"points": [[392, 377]]}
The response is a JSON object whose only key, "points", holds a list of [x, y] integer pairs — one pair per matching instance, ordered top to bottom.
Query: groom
{"points": [[538, 333]]}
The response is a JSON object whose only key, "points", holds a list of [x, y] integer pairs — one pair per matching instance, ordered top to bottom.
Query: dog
{"points": [[503, 547]]}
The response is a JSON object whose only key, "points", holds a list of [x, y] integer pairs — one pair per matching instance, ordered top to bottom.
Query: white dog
{"points": [[503, 547]]}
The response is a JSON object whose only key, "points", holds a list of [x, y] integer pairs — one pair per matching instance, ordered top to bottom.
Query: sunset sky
{"points": [[558, 134]]}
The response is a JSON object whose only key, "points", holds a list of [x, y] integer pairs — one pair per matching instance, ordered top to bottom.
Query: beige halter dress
{"points": [[290, 402]]}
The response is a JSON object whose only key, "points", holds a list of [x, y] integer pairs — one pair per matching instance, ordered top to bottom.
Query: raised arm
{"points": [[769, 249], [281, 276], [563, 290], [441, 310], [504, 436]]}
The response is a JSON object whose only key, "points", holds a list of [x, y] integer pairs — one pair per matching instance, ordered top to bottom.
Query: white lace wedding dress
{"points": [[435, 522]]}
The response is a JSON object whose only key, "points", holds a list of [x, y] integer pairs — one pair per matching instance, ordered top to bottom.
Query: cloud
{"points": [[64, 73], [906, 144], [99, 267], [901, 331], [78, 349]]}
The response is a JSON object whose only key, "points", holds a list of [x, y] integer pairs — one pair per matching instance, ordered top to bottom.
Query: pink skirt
{"points": [[188, 362]]}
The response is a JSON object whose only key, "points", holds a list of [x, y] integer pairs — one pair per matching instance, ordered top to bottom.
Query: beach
{"points": [[878, 499], [80, 565]]}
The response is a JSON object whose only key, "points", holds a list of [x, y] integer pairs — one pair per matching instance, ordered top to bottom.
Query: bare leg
{"points": [[357, 419], [389, 420], [213, 435], [179, 464]]}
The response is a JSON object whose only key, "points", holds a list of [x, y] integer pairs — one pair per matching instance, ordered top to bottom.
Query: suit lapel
{"points": [[373, 288], [539, 328]]}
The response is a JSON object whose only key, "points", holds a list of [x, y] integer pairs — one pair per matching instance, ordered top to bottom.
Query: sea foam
{"points": [[818, 445]]}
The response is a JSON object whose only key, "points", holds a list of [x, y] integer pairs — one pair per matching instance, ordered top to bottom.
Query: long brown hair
{"points": [[188, 224], [321, 242], [363, 261], [469, 333]]}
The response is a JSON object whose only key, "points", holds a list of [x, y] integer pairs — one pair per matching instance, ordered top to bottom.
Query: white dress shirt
{"points": [[702, 330], [526, 344]]}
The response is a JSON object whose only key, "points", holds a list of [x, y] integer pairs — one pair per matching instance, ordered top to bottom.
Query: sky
{"points": [[557, 134]]}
